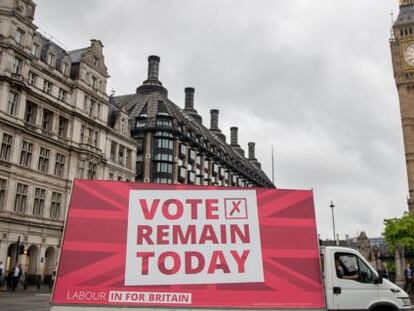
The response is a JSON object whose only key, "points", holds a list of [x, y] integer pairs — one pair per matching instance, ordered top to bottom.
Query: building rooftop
{"points": [[151, 99]]}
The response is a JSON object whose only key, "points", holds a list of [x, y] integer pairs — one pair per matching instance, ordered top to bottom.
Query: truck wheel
{"points": [[384, 308]]}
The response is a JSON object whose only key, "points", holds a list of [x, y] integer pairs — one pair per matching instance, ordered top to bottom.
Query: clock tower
{"points": [[402, 51]]}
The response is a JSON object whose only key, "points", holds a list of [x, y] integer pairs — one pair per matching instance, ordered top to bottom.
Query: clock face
{"points": [[409, 55]]}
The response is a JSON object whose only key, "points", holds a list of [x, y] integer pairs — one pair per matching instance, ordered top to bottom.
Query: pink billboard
{"points": [[131, 244]]}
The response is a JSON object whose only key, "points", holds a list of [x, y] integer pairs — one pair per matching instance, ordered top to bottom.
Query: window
{"points": [[19, 36], [35, 49], [50, 60], [17, 65], [65, 68], [32, 78], [94, 81], [47, 86], [62, 95], [12, 103], [85, 103], [92, 108], [98, 113], [47, 121], [163, 122], [123, 123], [141, 123], [63, 127], [82, 134], [163, 134], [90, 135], [95, 139], [164, 143], [6, 145], [182, 151], [121, 153], [26, 154], [112, 155], [163, 157], [128, 159], [44, 160], [198, 160], [60, 165], [163, 167], [91, 170], [111, 176], [119, 178], [163, 180], [3, 184], [20, 201], [39, 202], [55, 205], [351, 267], [365, 274]]}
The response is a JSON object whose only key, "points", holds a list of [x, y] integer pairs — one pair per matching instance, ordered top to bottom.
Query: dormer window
{"points": [[19, 36], [35, 49], [50, 59], [95, 61], [65, 68], [141, 122]]}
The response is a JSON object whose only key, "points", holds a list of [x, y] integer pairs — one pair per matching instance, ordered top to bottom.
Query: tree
{"points": [[400, 232]]}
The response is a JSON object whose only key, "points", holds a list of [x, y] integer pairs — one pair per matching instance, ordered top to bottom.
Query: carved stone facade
{"points": [[53, 128]]}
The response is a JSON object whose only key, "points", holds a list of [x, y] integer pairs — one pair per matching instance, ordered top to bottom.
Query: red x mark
{"points": [[235, 207]]}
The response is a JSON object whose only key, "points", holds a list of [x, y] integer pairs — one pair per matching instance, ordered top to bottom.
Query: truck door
{"points": [[353, 283]]}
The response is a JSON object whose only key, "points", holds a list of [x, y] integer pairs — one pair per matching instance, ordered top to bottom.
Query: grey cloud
{"points": [[313, 78]]}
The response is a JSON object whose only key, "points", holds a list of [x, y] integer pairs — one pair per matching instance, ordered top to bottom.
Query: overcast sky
{"points": [[312, 78]]}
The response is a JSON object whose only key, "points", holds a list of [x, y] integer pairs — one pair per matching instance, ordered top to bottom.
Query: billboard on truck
{"points": [[181, 246]]}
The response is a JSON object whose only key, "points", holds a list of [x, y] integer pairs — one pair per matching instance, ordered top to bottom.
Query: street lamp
{"points": [[333, 221]]}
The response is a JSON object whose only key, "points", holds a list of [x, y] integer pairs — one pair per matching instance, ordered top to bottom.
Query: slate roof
{"points": [[406, 15], [46, 43], [76, 55], [135, 103]]}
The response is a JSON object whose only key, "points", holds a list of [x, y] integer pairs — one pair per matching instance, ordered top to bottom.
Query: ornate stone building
{"points": [[402, 51], [57, 123], [53, 128], [175, 147]]}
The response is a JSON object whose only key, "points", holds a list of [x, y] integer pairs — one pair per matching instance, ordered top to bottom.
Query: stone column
{"points": [[3, 251], [41, 262], [399, 270]]}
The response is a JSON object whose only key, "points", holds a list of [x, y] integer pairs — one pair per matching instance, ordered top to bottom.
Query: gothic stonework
{"points": [[402, 51]]}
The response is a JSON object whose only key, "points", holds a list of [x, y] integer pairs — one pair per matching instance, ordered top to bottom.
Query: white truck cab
{"points": [[352, 284]]}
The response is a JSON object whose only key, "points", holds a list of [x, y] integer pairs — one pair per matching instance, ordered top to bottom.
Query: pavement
{"points": [[32, 299], [25, 300]]}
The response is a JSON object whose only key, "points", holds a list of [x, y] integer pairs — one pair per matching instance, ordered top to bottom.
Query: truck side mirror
{"points": [[378, 279]]}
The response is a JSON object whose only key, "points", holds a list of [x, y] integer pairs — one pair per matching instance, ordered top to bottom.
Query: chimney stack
{"points": [[153, 67], [152, 84], [189, 98], [189, 105], [214, 113], [233, 136], [251, 151]]}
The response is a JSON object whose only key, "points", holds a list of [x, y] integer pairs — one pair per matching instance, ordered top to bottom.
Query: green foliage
{"points": [[400, 231]]}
